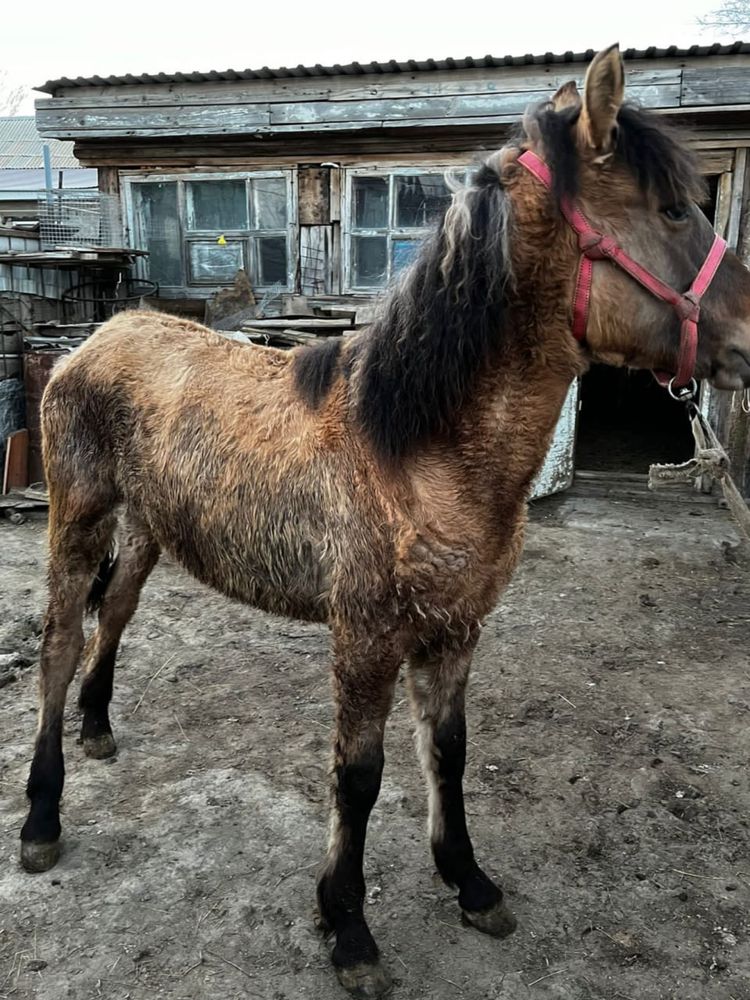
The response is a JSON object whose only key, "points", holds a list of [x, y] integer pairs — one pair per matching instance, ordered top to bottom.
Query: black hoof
{"points": [[100, 747], [39, 857], [497, 921], [365, 980]]}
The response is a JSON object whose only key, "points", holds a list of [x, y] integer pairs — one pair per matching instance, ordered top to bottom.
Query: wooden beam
{"points": [[441, 83], [703, 86], [234, 111], [314, 187], [735, 208], [313, 323], [16, 472]]}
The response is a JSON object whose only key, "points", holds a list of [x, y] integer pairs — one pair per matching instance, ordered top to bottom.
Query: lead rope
{"points": [[710, 460]]}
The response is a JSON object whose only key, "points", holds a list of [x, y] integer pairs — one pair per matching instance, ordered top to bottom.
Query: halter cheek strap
{"points": [[596, 246]]}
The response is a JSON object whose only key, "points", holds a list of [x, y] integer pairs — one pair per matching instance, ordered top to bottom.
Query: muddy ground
{"points": [[607, 786]]}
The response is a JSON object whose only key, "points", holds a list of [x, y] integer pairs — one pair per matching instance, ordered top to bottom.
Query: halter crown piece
{"points": [[596, 246]]}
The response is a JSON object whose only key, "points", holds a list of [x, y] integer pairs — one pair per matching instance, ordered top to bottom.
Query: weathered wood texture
{"points": [[704, 86], [419, 100], [345, 148], [314, 187], [16, 472]]}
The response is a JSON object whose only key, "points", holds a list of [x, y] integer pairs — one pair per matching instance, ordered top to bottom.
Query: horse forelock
{"points": [[652, 150]]}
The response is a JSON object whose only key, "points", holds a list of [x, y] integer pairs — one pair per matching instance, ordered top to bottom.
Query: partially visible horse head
{"points": [[634, 179]]}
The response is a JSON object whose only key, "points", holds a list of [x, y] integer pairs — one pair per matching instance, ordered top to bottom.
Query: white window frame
{"points": [[393, 232], [204, 289]]}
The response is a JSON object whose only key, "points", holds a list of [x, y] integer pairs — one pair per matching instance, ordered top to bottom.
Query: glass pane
{"points": [[420, 200], [370, 202], [270, 203], [216, 205], [158, 230], [403, 253], [369, 257], [272, 260], [214, 262]]}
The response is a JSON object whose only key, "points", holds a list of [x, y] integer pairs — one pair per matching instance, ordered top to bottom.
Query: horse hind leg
{"points": [[81, 524], [115, 593]]}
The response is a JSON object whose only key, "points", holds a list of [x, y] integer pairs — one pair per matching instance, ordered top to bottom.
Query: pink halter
{"points": [[596, 246]]}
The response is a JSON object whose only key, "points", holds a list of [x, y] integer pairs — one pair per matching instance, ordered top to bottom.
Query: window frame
{"points": [[393, 232], [204, 288]]}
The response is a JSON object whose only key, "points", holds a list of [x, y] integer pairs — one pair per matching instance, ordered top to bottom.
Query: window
{"points": [[387, 217], [201, 229]]}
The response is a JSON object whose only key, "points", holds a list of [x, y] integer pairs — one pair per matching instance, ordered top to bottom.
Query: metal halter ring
{"points": [[685, 393], [745, 404]]}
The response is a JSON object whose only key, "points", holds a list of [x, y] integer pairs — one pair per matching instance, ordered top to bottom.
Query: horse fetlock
{"points": [[37, 857]]}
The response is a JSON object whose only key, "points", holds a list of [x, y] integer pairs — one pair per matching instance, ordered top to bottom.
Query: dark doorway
{"points": [[628, 422]]}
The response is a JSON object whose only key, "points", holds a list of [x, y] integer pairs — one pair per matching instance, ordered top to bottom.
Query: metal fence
{"points": [[79, 218]]}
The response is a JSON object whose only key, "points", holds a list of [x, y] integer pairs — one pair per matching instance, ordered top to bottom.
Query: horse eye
{"points": [[676, 213]]}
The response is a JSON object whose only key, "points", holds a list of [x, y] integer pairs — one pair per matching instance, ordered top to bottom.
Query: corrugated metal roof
{"points": [[410, 66], [21, 146], [27, 179]]}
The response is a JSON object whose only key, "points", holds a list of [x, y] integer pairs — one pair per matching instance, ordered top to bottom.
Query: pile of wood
{"points": [[286, 331]]}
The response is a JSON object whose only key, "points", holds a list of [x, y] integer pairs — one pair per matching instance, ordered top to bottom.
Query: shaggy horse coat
{"points": [[376, 483]]}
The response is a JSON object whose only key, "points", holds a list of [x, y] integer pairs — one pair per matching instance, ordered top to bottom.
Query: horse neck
{"points": [[503, 433]]}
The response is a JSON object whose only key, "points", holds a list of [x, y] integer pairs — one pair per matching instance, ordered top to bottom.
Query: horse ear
{"points": [[603, 94], [566, 97]]}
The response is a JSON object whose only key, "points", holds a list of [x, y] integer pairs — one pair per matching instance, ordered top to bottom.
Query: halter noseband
{"points": [[596, 246]]}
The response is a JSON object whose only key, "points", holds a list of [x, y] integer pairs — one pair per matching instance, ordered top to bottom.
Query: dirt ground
{"points": [[607, 786]]}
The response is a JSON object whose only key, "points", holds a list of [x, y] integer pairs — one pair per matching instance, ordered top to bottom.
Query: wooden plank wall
{"points": [[328, 104]]}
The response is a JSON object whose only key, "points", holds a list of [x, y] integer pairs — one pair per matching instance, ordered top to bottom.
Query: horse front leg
{"points": [[437, 679], [363, 685]]}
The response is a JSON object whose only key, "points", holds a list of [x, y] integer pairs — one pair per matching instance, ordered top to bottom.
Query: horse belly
{"points": [[264, 546]]}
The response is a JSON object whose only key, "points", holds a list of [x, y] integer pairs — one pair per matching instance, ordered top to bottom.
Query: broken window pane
{"points": [[420, 200], [370, 202], [270, 203], [216, 205], [158, 230], [370, 256], [272, 260], [215, 263]]}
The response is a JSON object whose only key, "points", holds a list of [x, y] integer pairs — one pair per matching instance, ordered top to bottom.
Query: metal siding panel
{"points": [[557, 472]]}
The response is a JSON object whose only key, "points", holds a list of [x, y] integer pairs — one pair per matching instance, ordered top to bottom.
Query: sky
{"points": [[47, 40]]}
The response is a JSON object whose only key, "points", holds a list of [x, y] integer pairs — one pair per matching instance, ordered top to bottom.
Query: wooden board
{"points": [[439, 83], [708, 86], [261, 106], [223, 119], [314, 187], [315, 259], [16, 473]]}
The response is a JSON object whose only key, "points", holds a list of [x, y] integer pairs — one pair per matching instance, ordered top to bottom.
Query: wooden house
{"points": [[320, 182]]}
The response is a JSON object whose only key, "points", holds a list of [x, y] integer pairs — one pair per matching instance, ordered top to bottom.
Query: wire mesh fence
{"points": [[84, 218]]}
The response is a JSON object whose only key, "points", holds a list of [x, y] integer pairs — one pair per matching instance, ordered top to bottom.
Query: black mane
{"points": [[651, 149], [440, 326]]}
